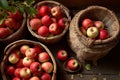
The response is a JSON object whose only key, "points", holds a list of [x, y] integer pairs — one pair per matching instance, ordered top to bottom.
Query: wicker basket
{"points": [[16, 35], [55, 38], [18, 43], [89, 49]]}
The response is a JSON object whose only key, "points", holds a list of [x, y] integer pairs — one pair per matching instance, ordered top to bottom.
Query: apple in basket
{"points": [[44, 10], [56, 11], [46, 20], [61, 22], [35, 23], [87, 23], [99, 24], [54, 28], [43, 31], [4, 32], [92, 32], [103, 34], [23, 48], [31, 53], [43, 57], [13, 58], [27, 61], [47, 67], [36, 69], [10, 70], [17, 72], [25, 72], [45, 76], [16, 78], [34, 78]]}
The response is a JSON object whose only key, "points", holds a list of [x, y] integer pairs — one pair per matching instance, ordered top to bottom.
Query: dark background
{"points": [[108, 67]]}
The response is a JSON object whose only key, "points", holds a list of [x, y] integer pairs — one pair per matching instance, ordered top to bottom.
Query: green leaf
{"points": [[30, 2], [4, 4], [13, 9], [21, 9], [31, 11], [88, 67]]}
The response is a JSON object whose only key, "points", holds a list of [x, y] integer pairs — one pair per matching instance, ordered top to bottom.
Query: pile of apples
{"points": [[48, 21], [10, 24], [94, 29], [29, 63], [71, 63]]}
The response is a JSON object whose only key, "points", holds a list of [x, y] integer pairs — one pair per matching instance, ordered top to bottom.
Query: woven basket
{"points": [[16, 35], [55, 38], [18, 43], [89, 49]]}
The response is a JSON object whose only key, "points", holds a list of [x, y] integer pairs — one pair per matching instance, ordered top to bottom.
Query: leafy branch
{"points": [[13, 5]]}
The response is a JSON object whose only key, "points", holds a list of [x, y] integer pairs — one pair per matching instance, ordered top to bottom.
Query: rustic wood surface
{"points": [[108, 67]]}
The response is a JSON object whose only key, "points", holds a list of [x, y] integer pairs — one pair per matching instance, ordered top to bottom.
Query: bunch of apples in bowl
{"points": [[50, 23], [12, 27], [94, 29], [28, 60]]}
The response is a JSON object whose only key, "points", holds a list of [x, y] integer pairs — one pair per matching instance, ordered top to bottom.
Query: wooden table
{"points": [[108, 67]]}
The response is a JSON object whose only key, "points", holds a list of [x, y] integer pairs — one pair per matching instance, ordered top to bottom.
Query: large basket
{"points": [[17, 34], [56, 38], [18, 43], [89, 49]]}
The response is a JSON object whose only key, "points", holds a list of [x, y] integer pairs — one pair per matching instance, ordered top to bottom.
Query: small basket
{"points": [[16, 35], [56, 38], [18, 43], [89, 49]]}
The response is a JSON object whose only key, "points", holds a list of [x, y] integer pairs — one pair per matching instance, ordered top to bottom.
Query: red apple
{"points": [[44, 10], [56, 11], [16, 15], [37, 15], [46, 20], [54, 20], [62, 22], [11, 23], [35, 23], [87, 23], [99, 24], [54, 28], [43, 31], [4, 32], [84, 32], [92, 32], [103, 34], [23, 48], [38, 49], [30, 53], [62, 55], [43, 57], [13, 58], [27, 61], [19, 63], [72, 64], [47, 67], [35, 68], [10, 70], [17, 72], [25, 72], [46, 76], [16, 78], [34, 78]]}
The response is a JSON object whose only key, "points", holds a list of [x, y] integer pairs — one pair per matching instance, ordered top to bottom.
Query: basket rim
{"points": [[102, 8], [67, 13], [24, 41]]}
